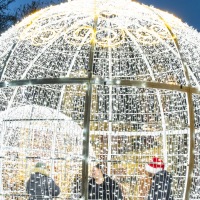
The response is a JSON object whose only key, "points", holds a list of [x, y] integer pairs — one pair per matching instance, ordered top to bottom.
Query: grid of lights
{"points": [[129, 124]]}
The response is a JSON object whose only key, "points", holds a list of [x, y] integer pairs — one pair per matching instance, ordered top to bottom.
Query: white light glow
{"points": [[128, 124]]}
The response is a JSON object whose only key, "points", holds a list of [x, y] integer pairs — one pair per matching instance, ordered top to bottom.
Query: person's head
{"points": [[40, 165], [155, 165], [41, 168], [97, 171]]}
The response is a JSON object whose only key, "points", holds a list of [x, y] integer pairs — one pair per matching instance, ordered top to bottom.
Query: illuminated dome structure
{"points": [[117, 75]]}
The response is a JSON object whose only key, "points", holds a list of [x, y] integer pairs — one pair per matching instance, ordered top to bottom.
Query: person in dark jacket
{"points": [[161, 181], [40, 186], [102, 186], [77, 187]]}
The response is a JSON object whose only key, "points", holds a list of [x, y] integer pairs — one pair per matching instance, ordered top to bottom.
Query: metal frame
{"points": [[186, 71], [89, 81], [101, 81], [86, 132], [190, 161]]}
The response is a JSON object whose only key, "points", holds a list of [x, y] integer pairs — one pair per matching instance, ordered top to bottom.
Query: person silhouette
{"points": [[161, 180], [40, 186], [101, 186]]}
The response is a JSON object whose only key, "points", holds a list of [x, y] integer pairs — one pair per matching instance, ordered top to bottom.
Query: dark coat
{"points": [[161, 186], [41, 187], [108, 190]]}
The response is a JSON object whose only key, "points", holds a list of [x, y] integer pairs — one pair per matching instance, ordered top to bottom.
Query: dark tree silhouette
{"points": [[34, 6], [6, 19]]}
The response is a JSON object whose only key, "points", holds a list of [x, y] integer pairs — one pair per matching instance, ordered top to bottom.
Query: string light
{"points": [[128, 124]]}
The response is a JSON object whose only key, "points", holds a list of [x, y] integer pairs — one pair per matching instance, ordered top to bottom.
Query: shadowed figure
{"points": [[161, 180], [40, 186], [101, 186]]}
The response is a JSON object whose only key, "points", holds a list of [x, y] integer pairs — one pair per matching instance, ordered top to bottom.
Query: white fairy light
{"points": [[129, 124]]}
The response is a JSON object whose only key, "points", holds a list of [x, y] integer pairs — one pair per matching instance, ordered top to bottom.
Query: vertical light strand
{"points": [[87, 112], [110, 114], [163, 128], [191, 142], [1, 159]]}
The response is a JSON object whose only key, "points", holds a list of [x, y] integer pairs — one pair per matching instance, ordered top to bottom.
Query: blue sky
{"points": [[187, 10]]}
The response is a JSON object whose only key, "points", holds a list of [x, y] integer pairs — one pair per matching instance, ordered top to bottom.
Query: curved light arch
{"points": [[86, 38], [175, 40], [34, 60], [159, 100], [190, 160]]}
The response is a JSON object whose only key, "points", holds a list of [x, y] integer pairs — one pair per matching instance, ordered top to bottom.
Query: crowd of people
{"points": [[41, 186]]}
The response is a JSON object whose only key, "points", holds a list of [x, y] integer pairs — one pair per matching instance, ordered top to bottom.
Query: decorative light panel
{"points": [[89, 82]]}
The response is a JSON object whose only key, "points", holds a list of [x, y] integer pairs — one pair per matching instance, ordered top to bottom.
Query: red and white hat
{"points": [[155, 165]]}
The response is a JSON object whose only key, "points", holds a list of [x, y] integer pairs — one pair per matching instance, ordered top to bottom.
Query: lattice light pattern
{"points": [[122, 73]]}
